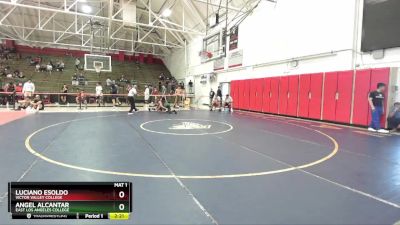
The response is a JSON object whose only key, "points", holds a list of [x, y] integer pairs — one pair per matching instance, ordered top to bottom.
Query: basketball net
{"points": [[205, 55], [97, 68]]}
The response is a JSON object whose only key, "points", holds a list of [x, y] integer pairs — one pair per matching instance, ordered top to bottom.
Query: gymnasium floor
{"points": [[201, 167]]}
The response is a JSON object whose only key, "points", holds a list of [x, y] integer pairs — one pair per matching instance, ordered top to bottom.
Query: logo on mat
{"points": [[189, 126]]}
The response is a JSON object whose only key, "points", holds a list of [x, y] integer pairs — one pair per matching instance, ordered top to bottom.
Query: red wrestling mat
{"points": [[6, 117]]}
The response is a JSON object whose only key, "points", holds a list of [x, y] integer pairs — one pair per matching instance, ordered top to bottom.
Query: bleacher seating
{"points": [[140, 74]]}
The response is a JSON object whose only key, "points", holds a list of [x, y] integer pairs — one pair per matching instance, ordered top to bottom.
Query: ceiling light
{"points": [[86, 9], [166, 13]]}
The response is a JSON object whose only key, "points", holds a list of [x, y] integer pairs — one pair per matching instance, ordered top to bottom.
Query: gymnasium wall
{"points": [[319, 34]]}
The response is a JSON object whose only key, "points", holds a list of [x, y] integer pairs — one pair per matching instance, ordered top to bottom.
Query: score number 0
{"points": [[121, 206]]}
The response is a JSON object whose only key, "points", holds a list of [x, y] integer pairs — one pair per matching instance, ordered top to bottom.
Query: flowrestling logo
{"points": [[189, 126]]}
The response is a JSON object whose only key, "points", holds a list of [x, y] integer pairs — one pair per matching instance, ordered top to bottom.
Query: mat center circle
{"points": [[186, 127]]}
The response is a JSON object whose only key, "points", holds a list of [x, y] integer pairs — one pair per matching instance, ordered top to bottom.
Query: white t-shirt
{"points": [[77, 62], [108, 82], [28, 87], [99, 90], [132, 92], [146, 94], [229, 99]]}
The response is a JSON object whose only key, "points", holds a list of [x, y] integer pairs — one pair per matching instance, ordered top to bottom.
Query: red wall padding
{"points": [[330, 88], [361, 92], [234, 94], [246, 94], [266, 94], [293, 94], [252, 95], [256, 95], [274, 95], [283, 95], [301, 95], [304, 95], [343, 102], [314, 107]]}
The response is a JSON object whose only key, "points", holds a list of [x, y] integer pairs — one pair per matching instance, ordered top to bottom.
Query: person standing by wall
{"points": [[190, 87], [28, 89], [64, 89], [99, 94], [219, 95], [146, 96], [211, 96], [131, 98], [376, 101]]}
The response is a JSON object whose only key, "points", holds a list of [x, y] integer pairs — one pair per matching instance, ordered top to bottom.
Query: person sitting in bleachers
{"points": [[60, 66], [49, 67], [37, 68], [43, 68], [18, 74], [74, 79], [81, 79], [123, 79]]}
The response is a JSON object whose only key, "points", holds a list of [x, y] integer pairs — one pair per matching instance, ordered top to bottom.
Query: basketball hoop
{"points": [[205, 55]]}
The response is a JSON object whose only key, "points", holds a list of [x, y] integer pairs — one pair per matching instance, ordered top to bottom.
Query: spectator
{"points": [[77, 62], [60, 66], [37, 67], [49, 67], [161, 77], [123, 79], [75, 81], [109, 82], [159, 85], [190, 87], [28, 89], [64, 89], [163, 90], [99, 94], [146, 94], [11, 95], [219, 95], [178, 96], [211, 96], [114, 97], [81, 98], [376, 100], [228, 102], [37, 104], [394, 117]]}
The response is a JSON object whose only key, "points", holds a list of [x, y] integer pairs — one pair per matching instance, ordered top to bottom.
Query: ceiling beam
{"points": [[99, 17]]}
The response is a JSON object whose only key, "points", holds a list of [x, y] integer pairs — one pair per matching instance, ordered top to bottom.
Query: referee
{"points": [[131, 98]]}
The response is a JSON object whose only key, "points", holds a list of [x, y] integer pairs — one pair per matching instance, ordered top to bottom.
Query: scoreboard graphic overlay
{"points": [[72, 200]]}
